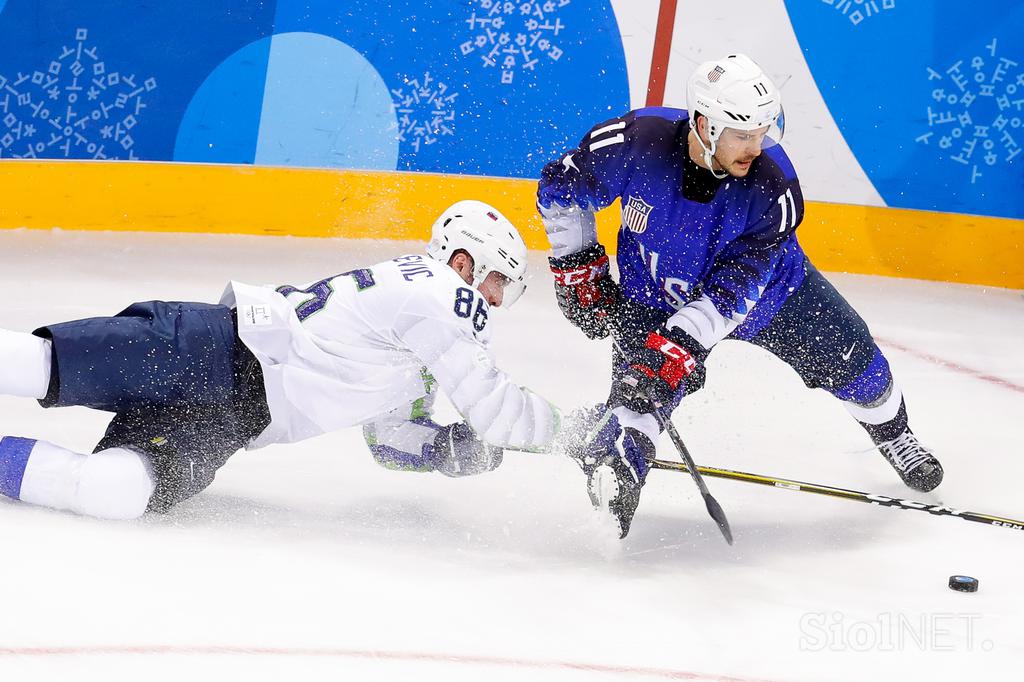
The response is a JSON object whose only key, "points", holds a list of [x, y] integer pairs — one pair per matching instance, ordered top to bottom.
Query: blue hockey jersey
{"points": [[736, 246]]}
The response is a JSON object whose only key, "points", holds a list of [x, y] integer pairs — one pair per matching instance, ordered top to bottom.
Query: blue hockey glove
{"points": [[585, 290], [458, 452]]}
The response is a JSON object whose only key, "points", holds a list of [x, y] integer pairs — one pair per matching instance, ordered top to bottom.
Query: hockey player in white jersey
{"points": [[192, 383]]}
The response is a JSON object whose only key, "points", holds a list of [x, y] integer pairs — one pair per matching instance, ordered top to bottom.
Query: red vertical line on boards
{"points": [[660, 55]]}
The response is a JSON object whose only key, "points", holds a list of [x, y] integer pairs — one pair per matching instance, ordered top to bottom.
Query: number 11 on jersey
{"points": [[788, 211]]}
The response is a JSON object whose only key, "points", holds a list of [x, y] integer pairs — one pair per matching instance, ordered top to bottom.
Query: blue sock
{"points": [[872, 383], [14, 453]]}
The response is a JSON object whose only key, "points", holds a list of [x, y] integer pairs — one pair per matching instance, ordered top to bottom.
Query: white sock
{"points": [[24, 364], [884, 408], [644, 423], [110, 484]]}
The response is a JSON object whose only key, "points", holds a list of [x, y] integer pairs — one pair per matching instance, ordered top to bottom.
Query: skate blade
{"points": [[603, 487]]}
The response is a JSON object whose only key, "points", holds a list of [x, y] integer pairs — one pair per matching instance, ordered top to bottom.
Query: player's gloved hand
{"points": [[585, 290], [655, 370], [587, 434], [458, 452], [614, 458]]}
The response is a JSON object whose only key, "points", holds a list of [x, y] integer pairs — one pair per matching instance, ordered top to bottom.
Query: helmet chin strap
{"points": [[709, 154], [479, 275]]}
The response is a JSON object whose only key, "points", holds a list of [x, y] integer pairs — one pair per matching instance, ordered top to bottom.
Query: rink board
{"points": [[216, 198]]}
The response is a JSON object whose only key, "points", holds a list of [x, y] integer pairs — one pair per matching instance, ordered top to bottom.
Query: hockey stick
{"points": [[870, 498], [714, 509]]}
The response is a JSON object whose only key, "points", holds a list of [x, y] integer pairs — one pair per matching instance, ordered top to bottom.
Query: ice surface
{"points": [[309, 561]]}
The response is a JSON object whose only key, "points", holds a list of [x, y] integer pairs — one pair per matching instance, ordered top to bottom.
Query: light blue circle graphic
{"points": [[480, 87], [325, 105], [221, 122]]}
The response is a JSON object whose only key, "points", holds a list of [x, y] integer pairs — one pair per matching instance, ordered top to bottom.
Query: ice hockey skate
{"points": [[614, 461], [915, 463], [614, 484]]}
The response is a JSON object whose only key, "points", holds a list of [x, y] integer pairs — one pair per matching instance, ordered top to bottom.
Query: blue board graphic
{"points": [[83, 66], [458, 86], [930, 99], [932, 104]]}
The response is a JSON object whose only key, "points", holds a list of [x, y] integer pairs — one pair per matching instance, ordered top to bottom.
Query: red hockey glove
{"points": [[586, 292], [656, 371]]}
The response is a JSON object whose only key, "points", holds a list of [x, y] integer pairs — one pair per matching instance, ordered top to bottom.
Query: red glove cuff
{"points": [[588, 272], [678, 362]]}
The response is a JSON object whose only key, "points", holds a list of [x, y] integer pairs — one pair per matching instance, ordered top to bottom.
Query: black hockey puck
{"points": [[963, 583]]}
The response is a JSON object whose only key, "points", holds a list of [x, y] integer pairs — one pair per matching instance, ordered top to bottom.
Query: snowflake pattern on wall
{"points": [[859, 10], [514, 36], [74, 108], [424, 108], [978, 111]]}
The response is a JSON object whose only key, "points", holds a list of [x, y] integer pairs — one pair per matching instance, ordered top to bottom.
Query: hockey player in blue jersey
{"points": [[707, 250]]}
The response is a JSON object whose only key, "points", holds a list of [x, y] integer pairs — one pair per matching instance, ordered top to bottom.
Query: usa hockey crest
{"points": [[635, 214]]}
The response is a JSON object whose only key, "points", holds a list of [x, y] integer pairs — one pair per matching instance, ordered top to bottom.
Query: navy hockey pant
{"points": [[816, 332], [819, 334], [186, 392]]}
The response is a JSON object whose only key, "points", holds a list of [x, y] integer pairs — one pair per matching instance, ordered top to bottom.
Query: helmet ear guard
{"points": [[488, 237]]}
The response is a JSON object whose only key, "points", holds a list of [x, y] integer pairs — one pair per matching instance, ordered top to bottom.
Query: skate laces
{"points": [[905, 452]]}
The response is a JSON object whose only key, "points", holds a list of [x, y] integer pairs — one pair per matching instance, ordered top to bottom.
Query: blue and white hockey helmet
{"points": [[486, 235]]}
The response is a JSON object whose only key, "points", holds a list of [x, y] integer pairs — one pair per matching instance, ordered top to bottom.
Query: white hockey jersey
{"points": [[352, 347]]}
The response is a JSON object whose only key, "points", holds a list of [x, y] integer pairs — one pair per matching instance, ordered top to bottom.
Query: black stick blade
{"points": [[718, 515]]}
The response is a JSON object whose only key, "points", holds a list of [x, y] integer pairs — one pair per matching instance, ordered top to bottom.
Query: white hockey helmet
{"points": [[733, 92], [487, 236]]}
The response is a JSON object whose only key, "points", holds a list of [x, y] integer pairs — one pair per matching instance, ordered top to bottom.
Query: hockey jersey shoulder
{"points": [[653, 130], [595, 173], [776, 200], [440, 300]]}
